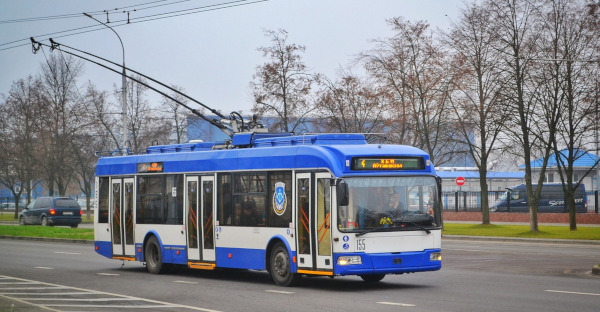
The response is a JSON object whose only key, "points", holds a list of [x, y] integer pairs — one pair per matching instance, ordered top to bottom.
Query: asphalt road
{"points": [[476, 276]]}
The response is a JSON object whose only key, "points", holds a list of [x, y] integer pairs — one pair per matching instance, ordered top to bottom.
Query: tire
{"points": [[22, 220], [44, 221], [74, 226], [153, 257], [279, 267], [372, 278]]}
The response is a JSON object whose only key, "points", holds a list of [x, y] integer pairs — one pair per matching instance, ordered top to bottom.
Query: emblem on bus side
{"points": [[279, 199]]}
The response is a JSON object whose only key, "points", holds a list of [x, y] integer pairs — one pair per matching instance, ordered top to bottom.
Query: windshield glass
{"points": [[397, 203]]}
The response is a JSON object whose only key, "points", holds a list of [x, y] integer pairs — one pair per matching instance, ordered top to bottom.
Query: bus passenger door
{"points": [[191, 204], [121, 217], [128, 217], [207, 219], [304, 221], [322, 226]]}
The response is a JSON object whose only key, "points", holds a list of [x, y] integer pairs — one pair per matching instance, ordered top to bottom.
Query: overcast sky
{"points": [[211, 54]]}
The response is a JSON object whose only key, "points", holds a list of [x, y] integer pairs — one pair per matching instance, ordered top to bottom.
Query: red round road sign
{"points": [[460, 181]]}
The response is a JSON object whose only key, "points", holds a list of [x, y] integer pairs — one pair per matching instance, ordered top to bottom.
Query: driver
{"points": [[395, 205]]}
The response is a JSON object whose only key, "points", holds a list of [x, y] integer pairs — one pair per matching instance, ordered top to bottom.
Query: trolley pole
{"points": [[123, 89]]}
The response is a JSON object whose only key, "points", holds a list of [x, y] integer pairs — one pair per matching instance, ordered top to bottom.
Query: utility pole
{"points": [[123, 88]]}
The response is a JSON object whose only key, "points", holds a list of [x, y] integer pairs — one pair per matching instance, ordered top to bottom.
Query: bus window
{"points": [[279, 199], [103, 200], [160, 200], [224, 203], [249, 208], [323, 216]]}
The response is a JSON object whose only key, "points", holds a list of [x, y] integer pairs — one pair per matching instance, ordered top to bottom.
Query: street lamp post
{"points": [[123, 88]]}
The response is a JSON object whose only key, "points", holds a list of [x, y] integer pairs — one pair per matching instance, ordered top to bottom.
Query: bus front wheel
{"points": [[280, 267], [372, 278]]}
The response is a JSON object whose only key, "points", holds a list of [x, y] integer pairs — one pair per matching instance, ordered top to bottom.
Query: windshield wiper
{"points": [[415, 224], [377, 229]]}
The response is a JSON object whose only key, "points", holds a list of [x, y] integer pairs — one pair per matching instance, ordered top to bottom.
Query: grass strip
{"points": [[11, 217], [46, 231]]}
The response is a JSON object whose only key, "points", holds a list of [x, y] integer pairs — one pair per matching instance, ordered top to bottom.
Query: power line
{"points": [[71, 15], [147, 18]]}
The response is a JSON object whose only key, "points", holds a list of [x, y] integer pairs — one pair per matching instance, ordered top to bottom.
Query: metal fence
{"points": [[471, 201]]}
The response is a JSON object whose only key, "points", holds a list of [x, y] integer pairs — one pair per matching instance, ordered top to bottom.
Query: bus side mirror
{"points": [[342, 193]]}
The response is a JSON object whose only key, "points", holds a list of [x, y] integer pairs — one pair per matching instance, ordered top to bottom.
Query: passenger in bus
{"points": [[226, 203], [248, 216]]}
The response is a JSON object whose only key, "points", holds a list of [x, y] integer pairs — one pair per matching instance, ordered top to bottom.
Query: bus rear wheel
{"points": [[153, 256], [280, 267]]}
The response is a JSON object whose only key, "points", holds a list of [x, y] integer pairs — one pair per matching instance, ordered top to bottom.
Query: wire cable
{"points": [[71, 15], [141, 19]]}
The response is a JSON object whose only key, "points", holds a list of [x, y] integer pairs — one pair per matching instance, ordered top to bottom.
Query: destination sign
{"points": [[388, 163], [150, 167]]}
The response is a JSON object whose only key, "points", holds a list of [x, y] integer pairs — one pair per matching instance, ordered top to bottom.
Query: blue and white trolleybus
{"points": [[324, 204]]}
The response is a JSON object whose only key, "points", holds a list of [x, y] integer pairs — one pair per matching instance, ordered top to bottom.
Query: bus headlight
{"points": [[435, 256], [346, 260]]}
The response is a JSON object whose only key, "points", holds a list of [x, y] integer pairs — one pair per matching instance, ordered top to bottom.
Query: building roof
{"points": [[583, 159], [469, 174]]}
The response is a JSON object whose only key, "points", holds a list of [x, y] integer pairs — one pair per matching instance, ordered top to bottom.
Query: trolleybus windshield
{"points": [[390, 204]]}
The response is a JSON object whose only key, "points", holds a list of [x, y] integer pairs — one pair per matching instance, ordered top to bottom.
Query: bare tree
{"points": [[516, 21], [567, 41], [411, 65], [477, 83], [282, 86], [351, 104], [177, 114], [106, 115], [60, 119], [144, 123], [19, 170]]}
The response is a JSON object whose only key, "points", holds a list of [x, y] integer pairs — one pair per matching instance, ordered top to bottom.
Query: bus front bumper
{"points": [[388, 263]]}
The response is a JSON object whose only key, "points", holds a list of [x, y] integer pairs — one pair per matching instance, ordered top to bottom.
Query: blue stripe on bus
{"points": [[103, 248], [241, 258], [389, 263]]}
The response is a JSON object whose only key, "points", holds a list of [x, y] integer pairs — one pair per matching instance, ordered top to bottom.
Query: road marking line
{"points": [[66, 253], [44, 268], [108, 274], [185, 282], [36, 288], [89, 291], [279, 292], [572, 292], [47, 294], [76, 299], [29, 303], [397, 304], [119, 307]]}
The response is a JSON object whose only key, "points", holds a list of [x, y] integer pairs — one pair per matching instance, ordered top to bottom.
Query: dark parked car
{"points": [[52, 211]]}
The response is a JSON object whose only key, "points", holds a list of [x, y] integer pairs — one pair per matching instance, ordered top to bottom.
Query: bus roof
{"points": [[261, 151]]}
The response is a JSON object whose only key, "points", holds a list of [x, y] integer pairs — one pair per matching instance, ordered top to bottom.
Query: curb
{"points": [[49, 239], [523, 240]]}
